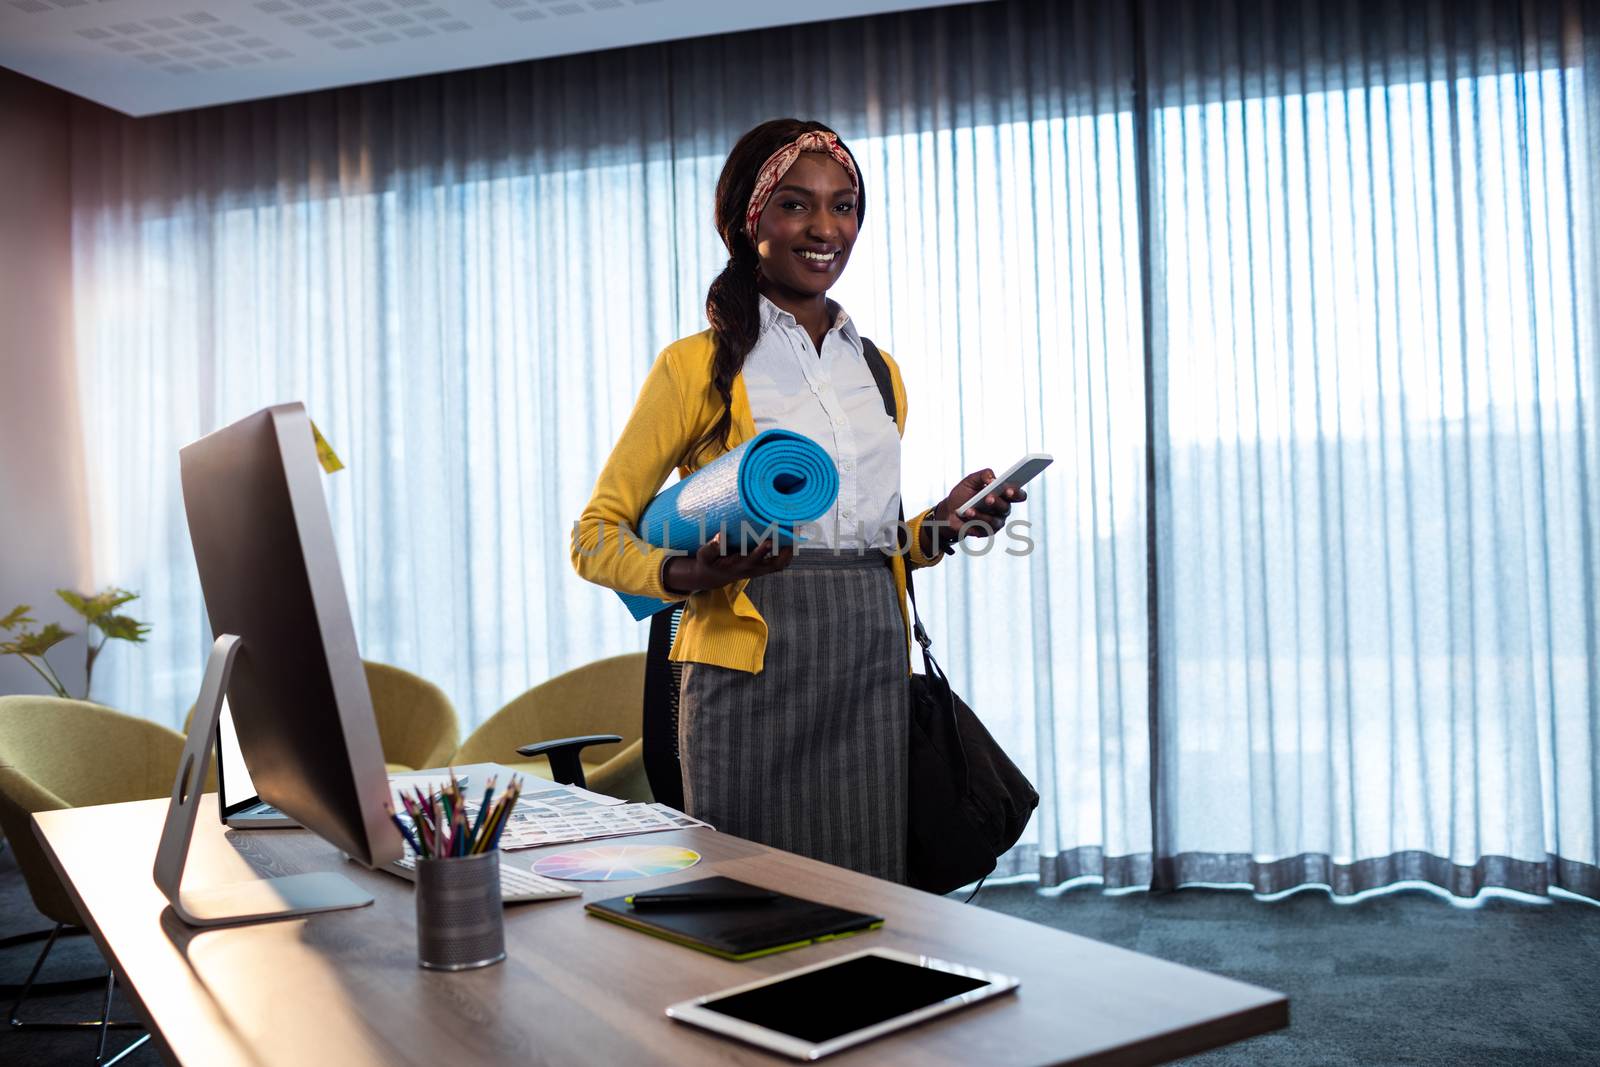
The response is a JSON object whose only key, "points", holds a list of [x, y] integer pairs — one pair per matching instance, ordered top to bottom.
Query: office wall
{"points": [[44, 539]]}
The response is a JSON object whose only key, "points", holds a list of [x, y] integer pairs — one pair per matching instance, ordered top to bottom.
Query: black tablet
{"points": [[838, 1003]]}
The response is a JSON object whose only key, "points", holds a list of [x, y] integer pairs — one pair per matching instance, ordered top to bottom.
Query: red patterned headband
{"points": [[778, 164]]}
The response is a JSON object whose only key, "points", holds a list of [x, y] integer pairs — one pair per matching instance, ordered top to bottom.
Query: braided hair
{"points": [[732, 307]]}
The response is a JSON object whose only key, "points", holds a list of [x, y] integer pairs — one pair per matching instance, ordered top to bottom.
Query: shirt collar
{"points": [[773, 315]]}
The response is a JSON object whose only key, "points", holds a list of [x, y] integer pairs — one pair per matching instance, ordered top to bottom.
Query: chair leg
{"points": [[27, 985], [46, 989], [105, 1016], [102, 1024], [106, 1026], [140, 1040]]}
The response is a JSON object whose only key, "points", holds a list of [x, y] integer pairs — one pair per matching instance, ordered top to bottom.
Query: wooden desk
{"points": [[344, 987]]}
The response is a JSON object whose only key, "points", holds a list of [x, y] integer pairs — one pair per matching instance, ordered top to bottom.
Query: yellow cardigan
{"points": [[676, 406]]}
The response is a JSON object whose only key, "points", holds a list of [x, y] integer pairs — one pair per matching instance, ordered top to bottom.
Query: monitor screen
{"points": [[232, 774]]}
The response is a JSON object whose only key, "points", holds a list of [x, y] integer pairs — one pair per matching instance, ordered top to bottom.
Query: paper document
{"points": [[429, 783], [533, 787], [572, 791], [536, 823]]}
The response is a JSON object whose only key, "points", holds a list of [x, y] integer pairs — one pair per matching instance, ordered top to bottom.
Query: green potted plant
{"points": [[99, 612]]}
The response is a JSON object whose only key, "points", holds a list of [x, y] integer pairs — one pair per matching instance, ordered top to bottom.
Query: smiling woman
{"points": [[794, 701]]}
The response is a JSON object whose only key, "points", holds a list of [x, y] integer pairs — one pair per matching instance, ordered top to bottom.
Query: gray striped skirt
{"points": [[809, 755]]}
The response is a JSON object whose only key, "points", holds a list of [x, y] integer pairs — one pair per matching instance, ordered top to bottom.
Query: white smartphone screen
{"points": [[1019, 474]]}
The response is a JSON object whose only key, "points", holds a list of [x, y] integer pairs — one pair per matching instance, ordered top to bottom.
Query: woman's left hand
{"points": [[984, 519]]}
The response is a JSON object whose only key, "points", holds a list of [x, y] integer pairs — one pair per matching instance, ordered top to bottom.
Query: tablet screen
{"points": [[851, 995]]}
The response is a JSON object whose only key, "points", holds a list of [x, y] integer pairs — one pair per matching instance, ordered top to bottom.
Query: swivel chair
{"points": [[660, 699], [597, 703]]}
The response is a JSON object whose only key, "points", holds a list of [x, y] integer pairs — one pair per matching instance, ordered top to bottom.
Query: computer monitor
{"points": [[285, 658]]}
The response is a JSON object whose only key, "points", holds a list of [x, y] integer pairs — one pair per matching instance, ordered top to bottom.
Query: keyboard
{"points": [[260, 817], [517, 883]]}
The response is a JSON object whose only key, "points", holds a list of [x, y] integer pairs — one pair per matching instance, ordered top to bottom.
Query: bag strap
{"points": [[880, 374], [931, 671]]}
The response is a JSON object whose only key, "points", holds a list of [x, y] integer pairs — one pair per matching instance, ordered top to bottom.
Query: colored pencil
{"points": [[510, 802], [483, 809], [497, 820], [416, 822], [489, 822], [402, 828]]}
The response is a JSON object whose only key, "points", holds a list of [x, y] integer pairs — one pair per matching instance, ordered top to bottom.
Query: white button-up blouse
{"points": [[831, 398]]}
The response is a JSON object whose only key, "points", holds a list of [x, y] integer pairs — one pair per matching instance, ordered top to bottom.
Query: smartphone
{"points": [[1021, 473]]}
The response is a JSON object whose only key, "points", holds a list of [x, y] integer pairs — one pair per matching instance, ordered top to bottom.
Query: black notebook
{"points": [[742, 932]]}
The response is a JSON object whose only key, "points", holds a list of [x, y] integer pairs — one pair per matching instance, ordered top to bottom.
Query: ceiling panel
{"points": [[143, 57]]}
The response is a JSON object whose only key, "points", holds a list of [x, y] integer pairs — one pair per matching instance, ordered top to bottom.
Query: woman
{"points": [[794, 706]]}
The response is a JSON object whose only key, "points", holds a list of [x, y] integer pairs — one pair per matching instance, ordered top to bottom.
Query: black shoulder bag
{"points": [[967, 803]]}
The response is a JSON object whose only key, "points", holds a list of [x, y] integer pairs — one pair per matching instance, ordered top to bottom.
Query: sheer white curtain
{"points": [[1375, 253], [466, 277], [462, 331]]}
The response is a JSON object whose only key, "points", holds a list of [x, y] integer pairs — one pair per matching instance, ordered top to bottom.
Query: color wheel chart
{"points": [[611, 863]]}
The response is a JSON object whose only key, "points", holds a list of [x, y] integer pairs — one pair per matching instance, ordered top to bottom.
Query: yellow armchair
{"points": [[598, 698], [417, 724], [58, 754]]}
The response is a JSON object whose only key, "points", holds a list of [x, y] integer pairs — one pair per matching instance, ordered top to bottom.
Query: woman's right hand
{"points": [[712, 568]]}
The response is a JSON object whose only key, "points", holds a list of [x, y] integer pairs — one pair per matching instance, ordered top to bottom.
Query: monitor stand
{"points": [[241, 902]]}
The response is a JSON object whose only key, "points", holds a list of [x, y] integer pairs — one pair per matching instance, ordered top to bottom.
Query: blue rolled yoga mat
{"points": [[777, 478]]}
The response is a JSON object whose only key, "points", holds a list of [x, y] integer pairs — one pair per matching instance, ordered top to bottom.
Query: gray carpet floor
{"points": [[1401, 978], [1398, 979]]}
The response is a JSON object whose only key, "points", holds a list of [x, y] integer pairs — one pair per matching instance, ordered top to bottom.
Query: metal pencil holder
{"points": [[460, 920]]}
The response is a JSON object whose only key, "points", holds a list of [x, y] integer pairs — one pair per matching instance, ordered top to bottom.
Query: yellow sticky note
{"points": [[325, 456]]}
